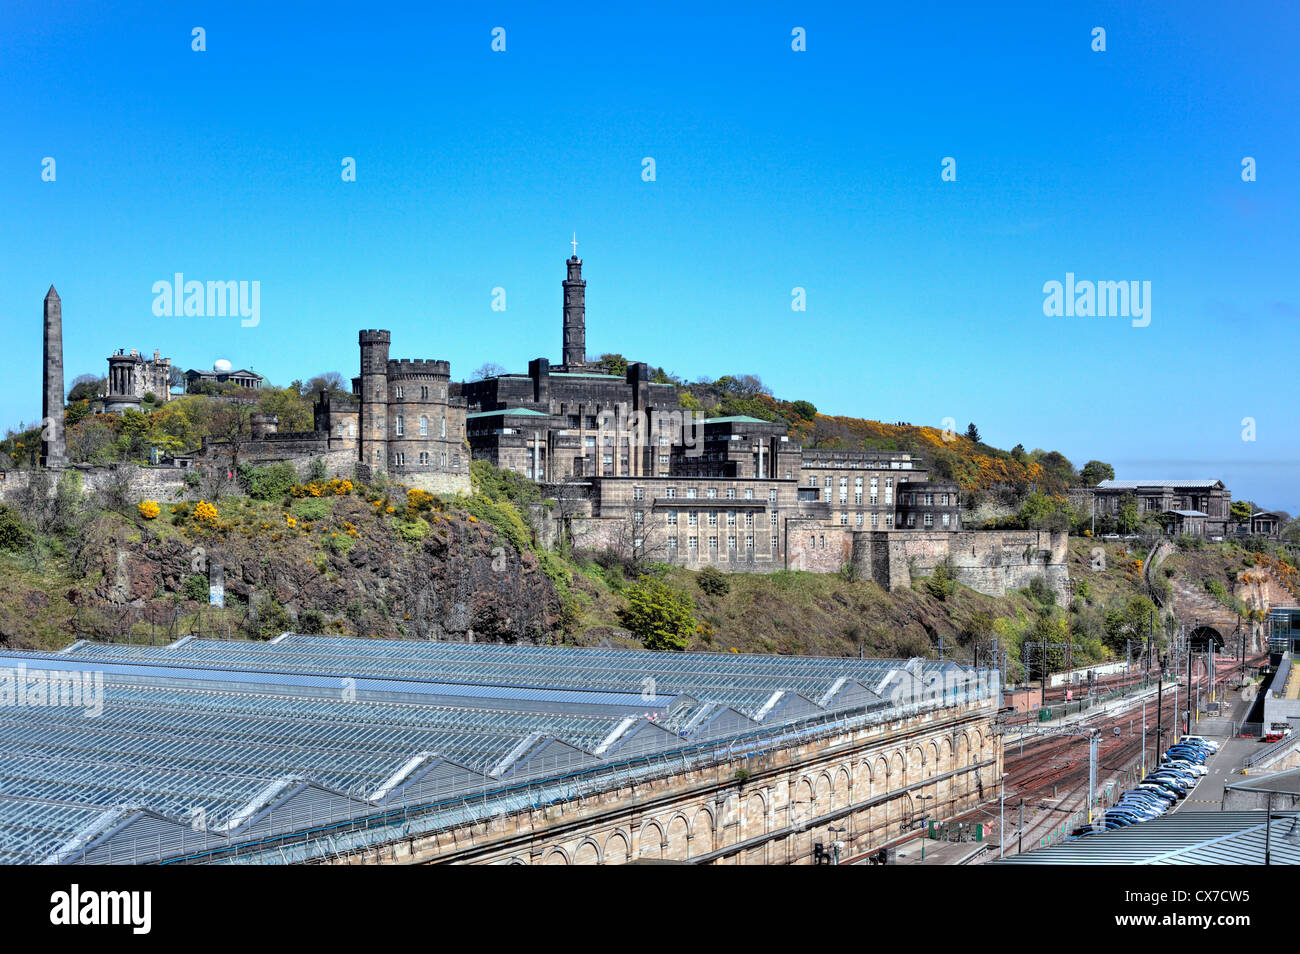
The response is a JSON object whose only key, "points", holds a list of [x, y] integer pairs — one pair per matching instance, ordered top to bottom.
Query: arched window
{"points": [[397, 391], [400, 424], [424, 426]]}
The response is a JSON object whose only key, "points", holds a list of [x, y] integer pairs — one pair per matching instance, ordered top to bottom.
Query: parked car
{"points": [[1201, 740], [1184, 752], [1195, 768], [1187, 778], [1180, 782], [1172, 788], [1141, 795], [1136, 807], [1122, 819]]}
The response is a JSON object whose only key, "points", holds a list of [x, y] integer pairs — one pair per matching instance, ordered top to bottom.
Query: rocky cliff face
{"points": [[461, 581]]}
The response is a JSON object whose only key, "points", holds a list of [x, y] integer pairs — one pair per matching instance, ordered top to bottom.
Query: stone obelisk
{"points": [[54, 452]]}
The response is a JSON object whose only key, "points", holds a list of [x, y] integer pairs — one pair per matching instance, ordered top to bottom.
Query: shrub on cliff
{"points": [[271, 482], [311, 509], [413, 531], [14, 534], [713, 581], [942, 582], [196, 588], [658, 615]]}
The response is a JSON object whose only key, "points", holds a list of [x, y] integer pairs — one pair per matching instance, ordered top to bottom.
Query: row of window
{"points": [[424, 392], [399, 425], [425, 459], [710, 493], [913, 499], [711, 518], [693, 543]]}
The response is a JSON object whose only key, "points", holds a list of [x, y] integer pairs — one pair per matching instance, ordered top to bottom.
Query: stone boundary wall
{"points": [[147, 483], [163, 483], [992, 562]]}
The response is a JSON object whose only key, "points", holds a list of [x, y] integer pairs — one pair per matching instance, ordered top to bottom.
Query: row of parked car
{"points": [[1181, 768]]}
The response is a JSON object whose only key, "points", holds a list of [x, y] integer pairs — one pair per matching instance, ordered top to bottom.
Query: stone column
{"points": [[53, 449]]}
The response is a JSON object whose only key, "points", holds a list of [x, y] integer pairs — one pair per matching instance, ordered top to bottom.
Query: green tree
{"points": [[613, 363], [86, 387], [806, 410], [972, 433], [1095, 471], [1241, 510], [1129, 518], [661, 617], [1130, 620]]}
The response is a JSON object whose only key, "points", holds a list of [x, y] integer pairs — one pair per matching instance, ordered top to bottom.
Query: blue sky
{"points": [[775, 169]]}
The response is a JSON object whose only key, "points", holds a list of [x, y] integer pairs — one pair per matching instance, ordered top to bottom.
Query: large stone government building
{"points": [[627, 466]]}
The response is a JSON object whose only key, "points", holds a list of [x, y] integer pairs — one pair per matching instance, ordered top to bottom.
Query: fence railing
{"points": [[1266, 752]]}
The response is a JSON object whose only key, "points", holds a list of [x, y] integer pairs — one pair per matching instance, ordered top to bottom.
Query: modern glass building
{"points": [[1284, 629]]}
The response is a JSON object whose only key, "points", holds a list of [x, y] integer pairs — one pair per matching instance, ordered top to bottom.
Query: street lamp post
{"points": [[925, 822], [835, 843]]}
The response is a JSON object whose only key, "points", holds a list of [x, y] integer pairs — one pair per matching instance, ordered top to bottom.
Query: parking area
{"points": [[1222, 767]]}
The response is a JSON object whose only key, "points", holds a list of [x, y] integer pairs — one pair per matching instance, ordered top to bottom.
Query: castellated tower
{"points": [[575, 316], [424, 431], [372, 445], [54, 451]]}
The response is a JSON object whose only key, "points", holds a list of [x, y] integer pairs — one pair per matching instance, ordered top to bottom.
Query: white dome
{"points": [[221, 365]]}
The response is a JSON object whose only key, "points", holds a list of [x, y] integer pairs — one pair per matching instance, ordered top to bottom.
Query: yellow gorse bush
{"points": [[206, 514]]}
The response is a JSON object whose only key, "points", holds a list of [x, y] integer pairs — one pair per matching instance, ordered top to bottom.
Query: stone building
{"points": [[223, 373], [131, 376], [402, 418], [557, 423], [1204, 504], [928, 505], [736, 523]]}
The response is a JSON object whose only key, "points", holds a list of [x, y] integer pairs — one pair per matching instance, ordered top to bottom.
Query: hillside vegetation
{"points": [[327, 556]]}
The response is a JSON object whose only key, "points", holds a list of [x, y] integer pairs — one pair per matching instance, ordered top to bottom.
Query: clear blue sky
{"points": [[775, 169]]}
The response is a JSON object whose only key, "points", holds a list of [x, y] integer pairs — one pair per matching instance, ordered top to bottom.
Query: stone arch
{"points": [[1202, 636], [945, 755], [931, 759], [915, 763], [896, 772], [842, 787], [823, 792], [803, 801], [754, 815], [702, 831], [679, 838], [650, 840], [618, 848], [587, 853], [556, 856]]}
